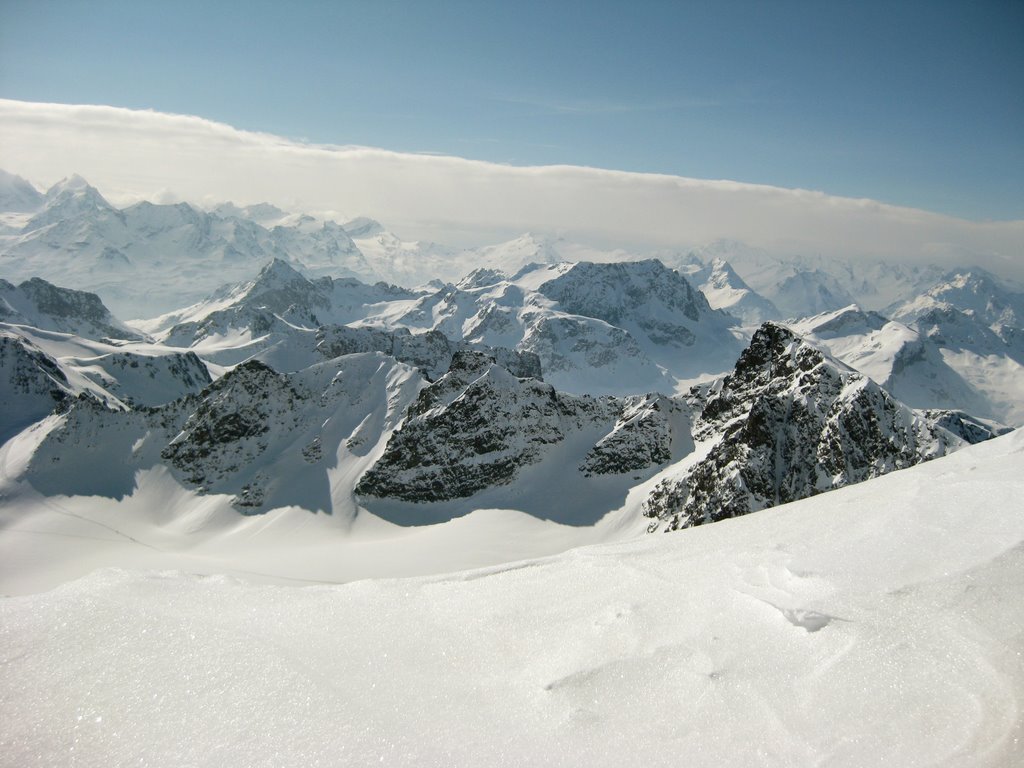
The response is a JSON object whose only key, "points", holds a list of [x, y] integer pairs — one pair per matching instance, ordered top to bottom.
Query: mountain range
{"points": [[584, 400], [461, 453]]}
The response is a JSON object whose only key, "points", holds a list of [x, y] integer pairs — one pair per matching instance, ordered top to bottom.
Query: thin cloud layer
{"points": [[134, 154]]}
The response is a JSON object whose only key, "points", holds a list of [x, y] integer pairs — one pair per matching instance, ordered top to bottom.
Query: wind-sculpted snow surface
{"points": [[788, 423], [877, 625]]}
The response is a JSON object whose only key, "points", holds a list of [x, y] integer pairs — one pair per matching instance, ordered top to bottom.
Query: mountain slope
{"points": [[18, 195], [147, 259], [726, 290], [43, 305], [599, 328], [908, 364], [32, 384], [788, 423], [876, 625]]}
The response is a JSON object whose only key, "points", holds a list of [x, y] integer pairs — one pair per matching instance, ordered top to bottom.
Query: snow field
{"points": [[876, 625]]}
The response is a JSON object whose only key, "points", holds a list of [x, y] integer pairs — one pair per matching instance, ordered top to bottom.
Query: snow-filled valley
{"points": [[311, 494]]}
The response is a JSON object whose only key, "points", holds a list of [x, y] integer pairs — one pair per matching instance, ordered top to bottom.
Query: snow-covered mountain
{"points": [[17, 195], [147, 259], [800, 285], [726, 290], [979, 295], [43, 305], [289, 322], [977, 322], [599, 328], [618, 328], [907, 363], [32, 384], [492, 389], [788, 423], [370, 431]]}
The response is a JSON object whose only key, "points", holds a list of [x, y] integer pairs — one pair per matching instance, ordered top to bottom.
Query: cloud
{"points": [[130, 154]]}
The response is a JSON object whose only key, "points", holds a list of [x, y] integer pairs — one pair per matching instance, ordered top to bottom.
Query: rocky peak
{"points": [[69, 200], [615, 291], [44, 305], [774, 360], [32, 383], [230, 422], [790, 422], [476, 427]]}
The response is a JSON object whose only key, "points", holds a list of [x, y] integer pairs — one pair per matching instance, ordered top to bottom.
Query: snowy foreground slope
{"points": [[880, 624]]}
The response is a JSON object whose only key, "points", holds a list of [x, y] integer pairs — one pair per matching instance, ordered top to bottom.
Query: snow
{"points": [[146, 621], [879, 624]]}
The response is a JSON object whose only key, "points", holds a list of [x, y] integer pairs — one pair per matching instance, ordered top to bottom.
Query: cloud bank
{"points": [[134, 154]]}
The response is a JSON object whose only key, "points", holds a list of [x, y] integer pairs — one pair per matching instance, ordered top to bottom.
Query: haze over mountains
{"points": [[311, 384], [297, 401]]}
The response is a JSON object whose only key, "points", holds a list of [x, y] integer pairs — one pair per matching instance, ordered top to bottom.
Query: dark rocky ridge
{"points": [[789, 422]]}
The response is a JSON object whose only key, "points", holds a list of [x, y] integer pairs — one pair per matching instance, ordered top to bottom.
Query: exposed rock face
{"points": [[620, 292], [41, 304], [432, 352], [32, 383], [789, 423], [479, 426], [228, 428], [474, 428], [642, 437]]}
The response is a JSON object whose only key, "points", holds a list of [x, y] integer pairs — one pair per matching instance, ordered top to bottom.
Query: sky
{"points": [[913, 104]]}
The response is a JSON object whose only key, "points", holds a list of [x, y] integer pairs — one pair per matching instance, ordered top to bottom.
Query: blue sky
{"points": [[918, 104]]}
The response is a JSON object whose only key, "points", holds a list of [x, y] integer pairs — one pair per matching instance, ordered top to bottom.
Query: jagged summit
{"points": [[71, 199], [41, 304], [791, 422]]}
